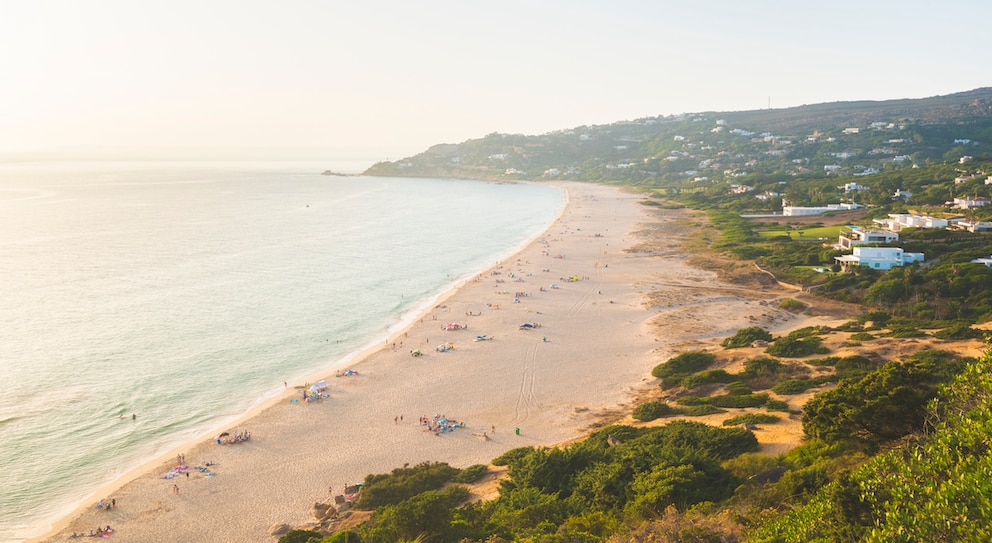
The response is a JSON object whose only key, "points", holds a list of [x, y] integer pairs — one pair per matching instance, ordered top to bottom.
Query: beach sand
{"points": [[635, 303]]}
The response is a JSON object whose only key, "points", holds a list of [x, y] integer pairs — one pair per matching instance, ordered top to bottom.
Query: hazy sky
{"points": [[390, 78]]}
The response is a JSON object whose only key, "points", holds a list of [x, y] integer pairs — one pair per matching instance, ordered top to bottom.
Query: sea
{"points": [[147, 304]]}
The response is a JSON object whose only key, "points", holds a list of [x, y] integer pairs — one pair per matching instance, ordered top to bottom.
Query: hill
{"points": [[840, 138]]}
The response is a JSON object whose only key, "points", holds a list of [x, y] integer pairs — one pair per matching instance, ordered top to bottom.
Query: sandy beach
{"points": [[613, 296]]}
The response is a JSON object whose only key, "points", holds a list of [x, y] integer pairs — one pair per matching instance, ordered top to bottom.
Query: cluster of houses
{"points": [[864, 243]]}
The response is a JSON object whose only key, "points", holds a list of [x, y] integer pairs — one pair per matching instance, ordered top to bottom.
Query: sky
{"points": [[388, 79]]}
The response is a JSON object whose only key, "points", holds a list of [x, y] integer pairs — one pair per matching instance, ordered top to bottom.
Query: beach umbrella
{"points": [[224, 434]]}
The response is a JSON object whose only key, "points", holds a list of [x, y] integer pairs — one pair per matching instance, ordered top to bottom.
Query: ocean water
{"points": [[186, 293]]}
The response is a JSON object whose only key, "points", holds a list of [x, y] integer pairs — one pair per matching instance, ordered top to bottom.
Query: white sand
{"points": [[604, 336]]}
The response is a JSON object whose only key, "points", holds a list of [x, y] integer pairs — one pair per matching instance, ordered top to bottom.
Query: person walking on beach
{"points": [[175, 489]]}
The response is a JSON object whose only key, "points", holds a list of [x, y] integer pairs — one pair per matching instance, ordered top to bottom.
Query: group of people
{"points": [[439, 424], [236, 437], [100, 531]]}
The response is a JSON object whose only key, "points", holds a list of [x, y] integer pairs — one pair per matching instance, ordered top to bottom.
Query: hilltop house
{"points": [[969, 202], [798, 211], [898, 221], [972, 226], [860, 236], [878, 258], [987, 261]]}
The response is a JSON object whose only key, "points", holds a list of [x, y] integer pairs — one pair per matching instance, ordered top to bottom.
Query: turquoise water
{"points": [[186, 293]]}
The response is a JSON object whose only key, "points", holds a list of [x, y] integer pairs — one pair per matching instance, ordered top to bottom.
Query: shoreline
{"points": [[601, 349], [325, 372]]}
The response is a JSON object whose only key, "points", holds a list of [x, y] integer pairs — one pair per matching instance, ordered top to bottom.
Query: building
{"points": [[969, 202], [798, 211], [898, 221], [972, 226], [859, 236], [878, 258], [984, 260]]}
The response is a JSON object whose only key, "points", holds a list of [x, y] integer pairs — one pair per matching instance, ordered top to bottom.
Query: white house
{"points": [[970, 202], [798, 211], [898, 221], [973, 226], [860, 236], [878, 258], [984, 260]]}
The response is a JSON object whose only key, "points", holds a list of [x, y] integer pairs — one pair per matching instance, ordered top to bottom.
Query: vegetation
{"points": [[746, 336], [653, 410], [928, 413], [751, 418]]}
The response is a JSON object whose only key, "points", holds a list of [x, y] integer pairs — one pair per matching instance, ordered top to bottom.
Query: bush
{"points": [[792, 305], [878, 319], [959, 331], [905, 332], [746, 336], [862, 336], [790, 347], [690, 362], [761, 366], [706, 377], [793, 386], [738, 388], [693, 400], [744, 400], [777, 405], [653, 410], [701, 410], [751, 418], [512, 456], [470, 474], [403, 483], [300, 536], [344, 536]]}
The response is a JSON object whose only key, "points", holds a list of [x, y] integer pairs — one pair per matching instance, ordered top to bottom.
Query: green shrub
{"points": [[792, 305], [878, 319], [850, 326], [959, 331], [804, 332], [905, 332], [746, 336], [862, 336], [790, 347], [689, 362], [761, 366], [853, 367], [706, 377], [793, 386], [738, 388], [693, 400], [740, 401], [777, 405], [652, 410], [701, 410], [751, 418], [512, 456], [470, 474], [403, 483], [425, 515], [300, 536], [344, 536]]}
